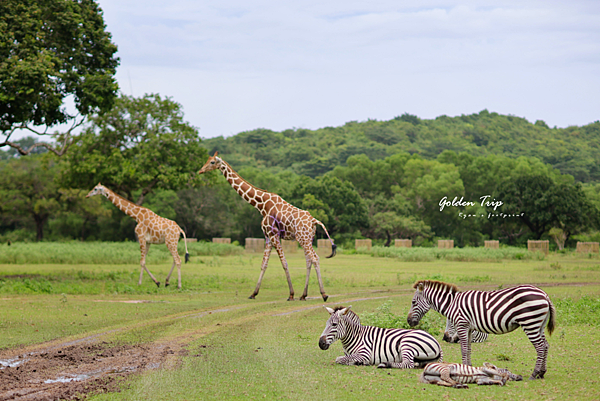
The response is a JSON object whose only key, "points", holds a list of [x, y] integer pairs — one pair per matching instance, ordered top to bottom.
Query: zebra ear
{"points": [[420, 287], [328, 310], [345, 310], [489, 366]]}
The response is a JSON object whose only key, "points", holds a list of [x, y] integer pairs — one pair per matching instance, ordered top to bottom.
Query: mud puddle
{"points": [[74, 371]]}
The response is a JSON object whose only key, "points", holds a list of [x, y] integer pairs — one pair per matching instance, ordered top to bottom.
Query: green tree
{"points": [[51, 50], [141, 145], [28, 189], [395, 226]]}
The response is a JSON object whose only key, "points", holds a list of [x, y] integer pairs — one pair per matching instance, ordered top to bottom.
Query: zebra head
{"points": [[419, 306], [336, 327], [450, 334], [503, 373]]}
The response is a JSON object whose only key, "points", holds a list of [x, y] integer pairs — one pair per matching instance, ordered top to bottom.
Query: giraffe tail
{"points": [[333, 246], [187, 254]]}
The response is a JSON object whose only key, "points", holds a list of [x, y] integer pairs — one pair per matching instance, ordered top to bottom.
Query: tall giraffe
{"points": [[280, 221], [151, 229]]}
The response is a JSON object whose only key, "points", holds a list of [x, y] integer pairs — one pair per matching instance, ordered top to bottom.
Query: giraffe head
{"points": [[212, 163], [98, 190]]}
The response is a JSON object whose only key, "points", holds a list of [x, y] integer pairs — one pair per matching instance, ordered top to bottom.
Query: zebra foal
{"points": [[494, 312], [386, 348], [457, 375]]}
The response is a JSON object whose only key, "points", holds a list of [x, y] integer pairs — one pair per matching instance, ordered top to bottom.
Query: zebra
{"points": [[495, 312], [451, 335], [386, 348], [457, 375]]}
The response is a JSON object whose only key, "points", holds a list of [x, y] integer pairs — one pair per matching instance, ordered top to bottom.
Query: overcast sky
{"points": [[240, 65]]}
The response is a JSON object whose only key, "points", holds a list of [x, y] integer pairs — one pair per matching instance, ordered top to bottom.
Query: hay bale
{"points": [[191, 240], [221, 240], [363, 243], [403, 243], [446, 243], [492, 244], [254, 245], [289, 245], [542, 246], [323, 247], [588, 247]]}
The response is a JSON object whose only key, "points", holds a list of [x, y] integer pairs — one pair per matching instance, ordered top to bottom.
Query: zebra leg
{"points": [[464, 334], [541, 347], [354, 359], [445, 377], [432, 379], [488, 381]]}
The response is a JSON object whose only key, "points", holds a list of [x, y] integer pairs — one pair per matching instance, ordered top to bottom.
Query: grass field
{"points": [[267, 348]]}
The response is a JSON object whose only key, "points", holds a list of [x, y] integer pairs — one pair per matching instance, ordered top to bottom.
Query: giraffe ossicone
{"points": [[281, 220], [150, 229]]}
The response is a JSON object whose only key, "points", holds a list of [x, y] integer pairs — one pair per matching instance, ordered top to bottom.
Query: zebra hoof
{"points": [[384, 365], [460, 385]]}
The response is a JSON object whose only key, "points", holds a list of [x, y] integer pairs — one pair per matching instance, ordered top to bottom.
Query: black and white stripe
{"points": [[494, 312], [451, 335], [386, 348], [458, 375]]}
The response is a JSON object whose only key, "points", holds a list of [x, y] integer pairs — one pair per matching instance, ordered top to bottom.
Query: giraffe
{"points": [[280, 221], [151, 229]]}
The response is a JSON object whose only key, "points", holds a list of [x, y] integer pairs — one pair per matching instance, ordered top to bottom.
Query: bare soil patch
{"points": [[74, 371]]}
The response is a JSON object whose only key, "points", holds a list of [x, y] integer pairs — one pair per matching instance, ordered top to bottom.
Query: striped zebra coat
{"points": [[493, 312], [451, 335], [386, 348], [457, 375]]}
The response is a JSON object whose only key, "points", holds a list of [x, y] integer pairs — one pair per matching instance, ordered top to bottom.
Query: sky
{"points": [[240, 65]]}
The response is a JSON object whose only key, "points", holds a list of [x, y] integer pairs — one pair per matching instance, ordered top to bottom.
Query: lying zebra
{"points": [[451, 335], [386, 348], [457, 375]]}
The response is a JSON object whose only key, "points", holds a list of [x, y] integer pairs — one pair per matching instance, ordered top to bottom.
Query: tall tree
{"points": [[51, 50], [140, 145]]}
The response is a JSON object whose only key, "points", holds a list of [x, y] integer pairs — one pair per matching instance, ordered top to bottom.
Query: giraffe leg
{"points": [[172, 246], [144, 248], [279, 250], [312, 259], [308, 266], [263, 268]]}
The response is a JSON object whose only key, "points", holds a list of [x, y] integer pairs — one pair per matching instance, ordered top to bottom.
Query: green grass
{"points": [[76, 252], [267, 348]]}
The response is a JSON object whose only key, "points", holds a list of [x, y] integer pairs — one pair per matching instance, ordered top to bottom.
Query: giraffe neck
{"points": [[254, 196], [127, 207]]}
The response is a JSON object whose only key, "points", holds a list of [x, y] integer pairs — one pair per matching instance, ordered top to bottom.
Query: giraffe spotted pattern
{"points": [[280, 221], [151, 229]]}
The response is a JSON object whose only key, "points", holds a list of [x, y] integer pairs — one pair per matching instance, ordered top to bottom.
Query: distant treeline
{"points": [[573, 150], [497, 177]]}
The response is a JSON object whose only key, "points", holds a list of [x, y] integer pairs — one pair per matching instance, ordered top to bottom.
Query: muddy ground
{"points": [[76, 370]]}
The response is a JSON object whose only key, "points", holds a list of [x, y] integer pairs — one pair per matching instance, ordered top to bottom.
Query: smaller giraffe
{"points": [[280, 221], [151, 229]]}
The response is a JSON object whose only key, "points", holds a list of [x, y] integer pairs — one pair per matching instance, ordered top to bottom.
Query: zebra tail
{"points": [[333, 246], [187, 255], [552, 319]]}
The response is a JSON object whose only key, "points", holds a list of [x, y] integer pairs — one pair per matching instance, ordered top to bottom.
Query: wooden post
{"points": [[221, 240], [363, 243], [403, 243], [446, 243], [255, 244], [492, 244], [542, 246], [323, 247], [588, 247]]}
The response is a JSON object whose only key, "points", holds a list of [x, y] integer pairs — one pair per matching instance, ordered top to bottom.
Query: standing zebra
{"points": [[495, 312], [451, 335], [386, 348], [457, 375]]}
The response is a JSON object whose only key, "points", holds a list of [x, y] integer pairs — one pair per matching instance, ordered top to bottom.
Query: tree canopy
{"points": [[51, 50]]}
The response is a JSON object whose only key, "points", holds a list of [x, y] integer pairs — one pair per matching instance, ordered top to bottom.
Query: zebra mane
{"points": [[439, 284], [353, 317]]}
